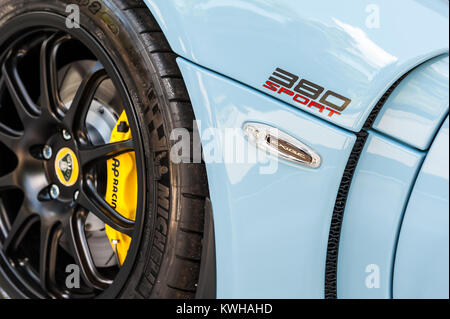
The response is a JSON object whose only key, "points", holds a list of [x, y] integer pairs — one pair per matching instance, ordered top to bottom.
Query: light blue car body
{"points": [[272, 230]]}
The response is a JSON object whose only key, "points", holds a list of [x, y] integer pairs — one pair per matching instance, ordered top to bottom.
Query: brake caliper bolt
{"points": [[66, 135], [47, 152], [54, 191], [76, 194]]}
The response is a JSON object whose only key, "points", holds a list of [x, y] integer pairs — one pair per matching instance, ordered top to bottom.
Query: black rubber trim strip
{"points": [[342, 196], [338, 216]]}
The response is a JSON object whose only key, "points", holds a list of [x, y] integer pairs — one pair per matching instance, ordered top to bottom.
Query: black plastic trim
{"points": [[338, 216]]}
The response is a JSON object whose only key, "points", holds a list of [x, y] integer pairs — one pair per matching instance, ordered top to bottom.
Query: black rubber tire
{"points": [[168, 262]]}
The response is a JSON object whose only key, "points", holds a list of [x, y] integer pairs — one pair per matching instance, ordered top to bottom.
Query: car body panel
{"points": [[339, 47], [415, 110], [375, 205], [271, 229], [422, 259]]}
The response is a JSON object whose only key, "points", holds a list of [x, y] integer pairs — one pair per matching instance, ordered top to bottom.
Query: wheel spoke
{"points": [[48, 73], [25, 106], [76, 115], [8, 136], [104, 152], [7, 182], [94, 203], [5, 225], [19, 229], [50, 236], [80, 248]]}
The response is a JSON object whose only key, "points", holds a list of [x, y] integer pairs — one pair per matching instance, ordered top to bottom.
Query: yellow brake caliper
{"points": [[121, 193]]}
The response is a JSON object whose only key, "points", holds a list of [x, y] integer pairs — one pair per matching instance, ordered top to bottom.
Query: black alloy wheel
{"points": [[63, 94], [43, 216]]}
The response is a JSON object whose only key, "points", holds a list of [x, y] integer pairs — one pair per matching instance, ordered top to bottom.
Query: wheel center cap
{"points": [[66, 167]]}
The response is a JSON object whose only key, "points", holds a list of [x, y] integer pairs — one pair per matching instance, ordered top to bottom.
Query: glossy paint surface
{"points": [[357, 49], [416, 109], [380, 188], [271, 217], [422, 261]]}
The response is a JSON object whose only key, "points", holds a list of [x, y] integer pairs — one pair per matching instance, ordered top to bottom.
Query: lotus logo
{"points": [[66, 166]]}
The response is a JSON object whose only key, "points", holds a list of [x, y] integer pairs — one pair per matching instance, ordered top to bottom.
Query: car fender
{"points": [[357, 50]]}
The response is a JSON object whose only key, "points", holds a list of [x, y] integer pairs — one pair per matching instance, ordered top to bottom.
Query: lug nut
{"points": [[66, 135], [47, 152], [54, 191], [76, 194]]}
